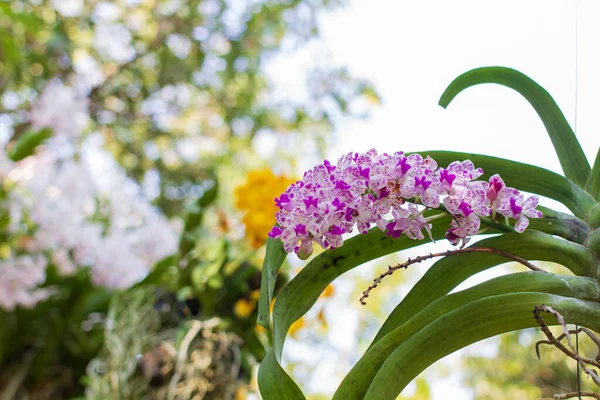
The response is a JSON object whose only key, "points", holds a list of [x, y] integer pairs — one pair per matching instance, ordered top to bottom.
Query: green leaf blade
{"points": [[27, 143], [570, 154], [593, 182], [272, 263], [447, 273], [299, 295], [468, 324], [358, 380], [274, 383]]}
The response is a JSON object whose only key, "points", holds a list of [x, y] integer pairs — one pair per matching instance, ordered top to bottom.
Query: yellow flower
{"points": [[255, 197], [328, 292], [243, 308], [296, 326], [241, 393]]}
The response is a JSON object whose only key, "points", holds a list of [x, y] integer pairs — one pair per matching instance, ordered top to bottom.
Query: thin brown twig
{"points": [[447, 253], [589, 333], [571, 352], [571, 395]]}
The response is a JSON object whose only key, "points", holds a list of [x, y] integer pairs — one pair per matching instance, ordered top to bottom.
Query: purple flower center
{"points": [[329, 167], [402, 167], [364, 172], [447, 178], [423, 182], [497, 184], [341, 185], [495, 187], [384, 192], [282, 201], [311, 202], [338, 204], [465, 208], [516, 210], [351, 213], [395, 228], [300, 229], [336, 230], [391, 231], [275, 232], [451, 236]]}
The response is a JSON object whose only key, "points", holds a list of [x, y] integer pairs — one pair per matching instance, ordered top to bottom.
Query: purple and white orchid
{"points": [[362, 189]]}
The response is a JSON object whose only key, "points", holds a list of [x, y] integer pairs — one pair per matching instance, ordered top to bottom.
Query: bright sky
{"points": [[412, 50]]}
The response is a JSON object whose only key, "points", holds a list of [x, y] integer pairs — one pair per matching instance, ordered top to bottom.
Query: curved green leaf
{"points": [[27, 143], [570, 154], [525, 177], [593, 182], [594, 216], [560, 224], [592, 242], [272, 263], [449, 272], [299, 295], [468, 324], [357, 382], [274, 383]]}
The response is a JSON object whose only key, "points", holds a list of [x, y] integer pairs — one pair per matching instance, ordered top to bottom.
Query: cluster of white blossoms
{"points": [[61, 108], [75, 212], [19, 280]]}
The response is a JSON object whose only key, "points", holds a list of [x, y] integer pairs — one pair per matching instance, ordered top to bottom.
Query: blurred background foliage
{"points": [[175, 88], [179, 93], [515, 371]]}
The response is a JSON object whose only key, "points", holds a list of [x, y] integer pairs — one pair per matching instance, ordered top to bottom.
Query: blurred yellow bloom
{"points": [[255, 197], [4, 251], [328, 292], [255, 294], [243, 308], [322, 320], [296, 326], [241, 393]]}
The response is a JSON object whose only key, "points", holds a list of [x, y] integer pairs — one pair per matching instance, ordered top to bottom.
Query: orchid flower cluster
{"points": [[365, 189]]}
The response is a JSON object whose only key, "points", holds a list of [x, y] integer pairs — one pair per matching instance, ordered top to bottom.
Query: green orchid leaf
{"points": [[27, 143], [570, 154], [525, 177], [593, 182], [594, 217], [560, 224], [271, 265], [449, 272], [300, 294], [470, 323], [357, 382], [274, 383]]}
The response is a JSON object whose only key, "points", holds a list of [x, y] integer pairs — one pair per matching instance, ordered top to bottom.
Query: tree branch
{"points": [[447, 253], [570, 352]]}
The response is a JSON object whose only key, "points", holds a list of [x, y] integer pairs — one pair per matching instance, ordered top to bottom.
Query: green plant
{"points": [[430, 323]]}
